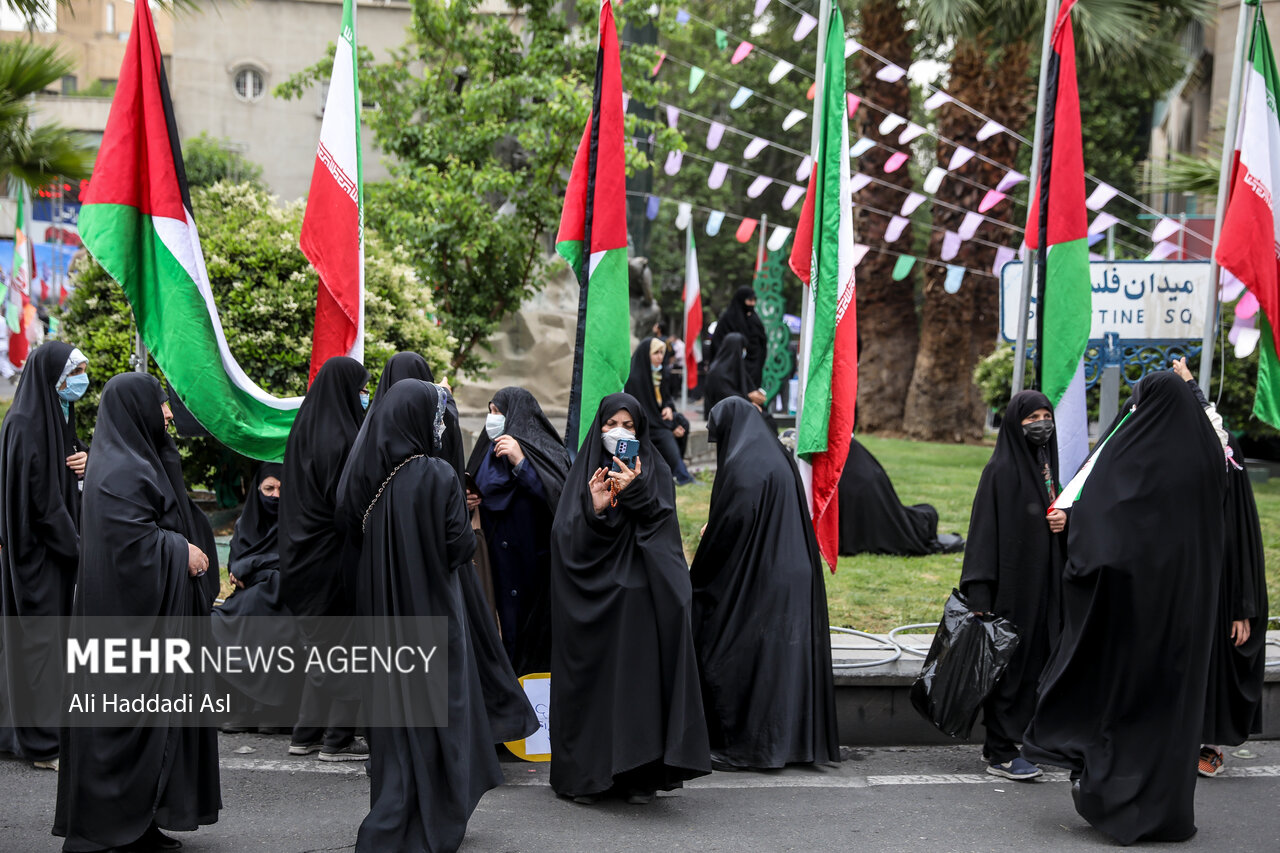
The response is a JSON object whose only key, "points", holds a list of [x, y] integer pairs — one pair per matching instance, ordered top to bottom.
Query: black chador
{"points": [[740, 318], [727, 375], [872, 518], [417, 544], [39, 547], [1013, 566], [760, 605], [1122, 697], [625, 701], [1233, 706], [117, 785]]}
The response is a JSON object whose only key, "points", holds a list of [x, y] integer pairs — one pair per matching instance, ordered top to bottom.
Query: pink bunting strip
{"points": [[806, 25], [743, 51], [662, 57], [891, 73], [813, 91], [853, 101], [990, 129], [912, 132], [714, 134], [754, 147], [961, 156], [675, 159], [895, 162], [717, 176], [1010, 180], [857, 182], [759, 185], [794, 194], [1101, 194], [990, 200], [912, 201], [1102, 222], [969, 225], [746, 229], [1164, 229], [950, 245], [1247, 307]]}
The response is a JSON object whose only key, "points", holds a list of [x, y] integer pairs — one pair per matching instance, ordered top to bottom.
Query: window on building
{"points": [[110, 23], [69, 84], [249, 84]]}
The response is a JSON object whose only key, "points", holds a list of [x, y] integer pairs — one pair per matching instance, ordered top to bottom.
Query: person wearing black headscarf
{"points": [[740, 317], [411, 365], [727, 375], [650, 382], [41, 462], [519, 467], [872, 518], [417, 544], [153, 558], [317, 559], [1013, 565], [760, 606], [254, 616], [624, 672], [1122, 698]]}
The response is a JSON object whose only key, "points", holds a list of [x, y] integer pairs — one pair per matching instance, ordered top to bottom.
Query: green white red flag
{"points": [[136, 221], [333, 225], [593, 239], [1249, 246], [823, 257], [19, 290], [692, 313]]}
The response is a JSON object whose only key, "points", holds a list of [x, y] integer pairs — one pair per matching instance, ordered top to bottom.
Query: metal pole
{"points": [[1037, 151], [1224, 178], [806, 306], [684, 320], [139, 354]]}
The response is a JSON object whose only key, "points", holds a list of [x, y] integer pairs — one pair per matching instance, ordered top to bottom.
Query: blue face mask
{"points": [[76, 386], [364, 399]]}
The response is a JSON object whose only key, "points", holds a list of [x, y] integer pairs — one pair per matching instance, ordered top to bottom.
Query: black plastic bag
{"points": [[967, 658]]}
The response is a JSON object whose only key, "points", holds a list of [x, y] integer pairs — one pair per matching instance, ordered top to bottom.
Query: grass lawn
{"points": [[876, 593]]}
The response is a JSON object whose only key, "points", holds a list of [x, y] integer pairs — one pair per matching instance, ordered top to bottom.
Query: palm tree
{"points": [[990, 69], [36, 155], [886, 308]]}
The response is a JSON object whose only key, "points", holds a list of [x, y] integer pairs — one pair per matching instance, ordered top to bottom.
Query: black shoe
{"points": [[236, 729], [357, 750], [1075, 794], [641, 798], [587, 799], [155, 840]]}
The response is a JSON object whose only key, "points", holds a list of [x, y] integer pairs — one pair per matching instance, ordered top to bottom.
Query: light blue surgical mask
{"points": [[76, 387], [364, 399], [495, 425]]}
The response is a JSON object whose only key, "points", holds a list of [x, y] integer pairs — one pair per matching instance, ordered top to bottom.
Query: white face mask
{"points": [[494, 425], [612, 437]]}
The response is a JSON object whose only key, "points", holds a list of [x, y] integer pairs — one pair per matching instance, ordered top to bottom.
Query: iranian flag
{"points": [[136, 222], [333, 225], [1057, 228], [593, 239], [1249, 247], [823, 258], [19, 291], [692, 313]]}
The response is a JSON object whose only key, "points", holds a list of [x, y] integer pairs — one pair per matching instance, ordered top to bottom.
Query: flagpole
{"points": [[1037, 153], [1224, 183], [760, 246], [806, 304], [684, 319]]}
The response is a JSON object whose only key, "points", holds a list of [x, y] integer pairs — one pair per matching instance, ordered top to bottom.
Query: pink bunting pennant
{"points": [[760, 7], [806, 25], [741, 53], [662, 57], [891, 73], [813, 91], [936, 100], [853, 101], [673, 116], [990, 129], [913, 131], [714, 134], [754, 147], [961, 156], [675, 159], [895, 162], [717, 176], [1010, 180], [857, 182], [759, 185], [794, 194], [1101, 194], [990, 200], [912, 201], [1102, 222], [969, 225], [895, 228], [746, 229], [1164, 229], [950, 245], [1003, 256], [1231, 288], [1247, 306]]}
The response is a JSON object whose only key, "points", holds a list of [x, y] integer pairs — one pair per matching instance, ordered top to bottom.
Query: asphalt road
{"points": [[934, 799]]}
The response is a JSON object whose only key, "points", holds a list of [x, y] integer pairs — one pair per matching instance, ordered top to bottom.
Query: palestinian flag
{"points": [[136, 221], [333, 225], [1057, 228], [593, 239], [1249, 247], [823, 258], [19, 291], [692, 313]]}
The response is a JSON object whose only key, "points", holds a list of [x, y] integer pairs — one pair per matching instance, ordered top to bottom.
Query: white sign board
{"points": [[1137, 300]]}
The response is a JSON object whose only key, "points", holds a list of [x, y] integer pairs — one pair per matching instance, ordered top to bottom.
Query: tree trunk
{"points": [[887, 325], [960, 329]]}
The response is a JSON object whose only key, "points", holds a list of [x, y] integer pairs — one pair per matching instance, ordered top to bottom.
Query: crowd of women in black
{"points": [[1133, 612]]}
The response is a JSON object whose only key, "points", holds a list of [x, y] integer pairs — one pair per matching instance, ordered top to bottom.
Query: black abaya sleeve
{"points": [[50, 520], [982, 548]]}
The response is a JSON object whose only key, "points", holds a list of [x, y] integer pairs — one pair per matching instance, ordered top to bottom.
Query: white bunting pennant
{"points": [[760, 7], [806, 25], [850, 48], [782, 69], [891, 73], [740, 97], [936, 100], [673, 116], [793, 118], [891, 122], [990, 129], [913, 131], [862, 146], [754, 147], [961, 156], [675, 159], [805, 168], [934, 179], [1010, 180], [857, 182], [759, 185], [794, 194], [1101, 194], [912, 201], [684, 212], [713, 222], [1102, 222], [969, 225], [894, 229], [1164, 229], [778, 238], [1162, 250], [859, 252]]}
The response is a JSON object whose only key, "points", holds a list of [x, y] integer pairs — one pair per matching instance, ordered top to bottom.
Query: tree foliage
{"points": [[481, 123], [36, 154], [209, 160], [265, 291]]}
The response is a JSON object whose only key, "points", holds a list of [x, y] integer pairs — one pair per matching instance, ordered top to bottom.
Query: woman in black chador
{"points": [[740, 317], [727, 377], [651, 383], [41, 463], [519, 467], [872, 518], [417, 543], [152, 557], [317, 558], [1013, 567], [760, 606], [1122, 698], [625, 700]]}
